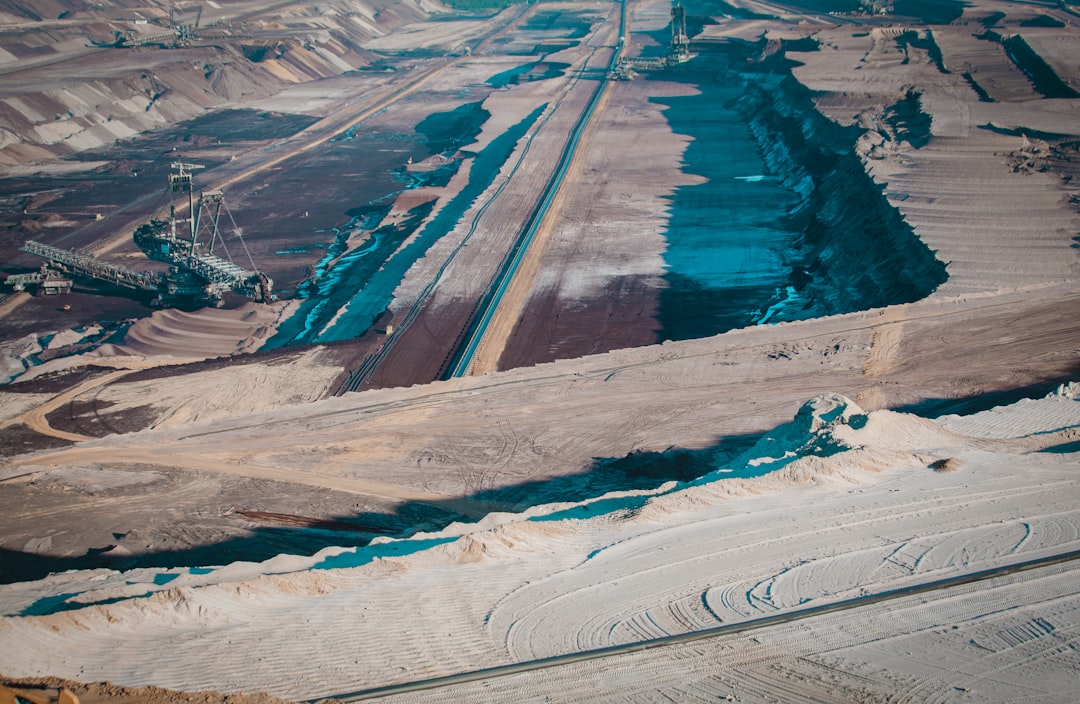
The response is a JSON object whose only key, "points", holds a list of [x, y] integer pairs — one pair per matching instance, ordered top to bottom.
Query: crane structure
{"points": [[178, 36], [680, 40], [628, 67], [196, 274]]}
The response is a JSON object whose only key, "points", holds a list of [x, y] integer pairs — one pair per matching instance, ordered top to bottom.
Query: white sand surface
{"points": [[430, 36], [1059, 48], [947, 185], [996, 225], [205, 333], [167, 337], [208, 395], [12, 405], [841, 502], [851, 506]]}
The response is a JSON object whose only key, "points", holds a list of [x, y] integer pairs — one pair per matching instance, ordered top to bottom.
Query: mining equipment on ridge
{"points": [[177, 35], [680, 40], [627, 68], [196, 275]]}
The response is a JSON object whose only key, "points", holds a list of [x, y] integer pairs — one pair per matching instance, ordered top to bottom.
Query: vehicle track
{"points": [[338, 122], [516, 251], [861, 322], [371, 363], [36, 418], [741, 593], [724, 630]]}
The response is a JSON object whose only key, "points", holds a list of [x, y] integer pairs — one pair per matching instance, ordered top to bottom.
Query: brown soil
{"points": [[231, 484], [108, 693]]}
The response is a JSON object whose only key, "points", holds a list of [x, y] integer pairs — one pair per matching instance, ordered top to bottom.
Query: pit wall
{"points": [[133, 90], [853, 250]]}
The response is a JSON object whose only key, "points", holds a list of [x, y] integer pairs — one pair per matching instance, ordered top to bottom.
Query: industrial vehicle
{"points": [[197, 275]]}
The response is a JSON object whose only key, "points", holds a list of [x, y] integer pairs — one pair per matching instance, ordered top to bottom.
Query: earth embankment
{"points": [[103, 77], [765, 213], [853, 249]]}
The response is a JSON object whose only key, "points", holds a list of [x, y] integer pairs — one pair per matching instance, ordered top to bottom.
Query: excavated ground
{"points": [[266, 472]]}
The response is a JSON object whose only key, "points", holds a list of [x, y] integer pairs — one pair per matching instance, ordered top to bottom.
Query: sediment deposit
{"points": [[402, 533]]}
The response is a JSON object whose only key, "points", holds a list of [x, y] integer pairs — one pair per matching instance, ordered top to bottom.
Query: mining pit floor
{"points": [[142, 440]]}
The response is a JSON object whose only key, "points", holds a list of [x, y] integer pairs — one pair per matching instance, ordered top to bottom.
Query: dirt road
{"points": [[37, 421]]}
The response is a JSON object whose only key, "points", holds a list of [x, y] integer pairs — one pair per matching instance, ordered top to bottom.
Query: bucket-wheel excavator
{"points": [[197, 275]]}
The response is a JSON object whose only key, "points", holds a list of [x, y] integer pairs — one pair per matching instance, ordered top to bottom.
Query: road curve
{"points": [[334, 124], [36, 419]]}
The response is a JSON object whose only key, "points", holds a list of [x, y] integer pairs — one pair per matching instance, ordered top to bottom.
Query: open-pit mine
{"points": [[552, 351]]}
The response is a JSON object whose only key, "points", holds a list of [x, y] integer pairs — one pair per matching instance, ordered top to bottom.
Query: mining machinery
{"points": [[178, 35], [680, 40], [678, 51], [197, 275]]}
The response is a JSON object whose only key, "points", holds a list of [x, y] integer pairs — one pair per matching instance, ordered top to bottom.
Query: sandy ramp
{"points": [[946, 191], [173, 336], [238, 390]]}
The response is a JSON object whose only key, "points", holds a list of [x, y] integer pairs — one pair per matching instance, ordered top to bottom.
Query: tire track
{"points": [[36, 419], [788, 617]]}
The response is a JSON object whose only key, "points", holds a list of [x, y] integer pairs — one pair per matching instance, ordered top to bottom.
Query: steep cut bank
{"points": [[750, 207], [787, 224], [853, 249]]}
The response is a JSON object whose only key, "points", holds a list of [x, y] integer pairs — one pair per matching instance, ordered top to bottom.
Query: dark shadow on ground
{"points": [[974, 403], [640, 470], [637, 471]]}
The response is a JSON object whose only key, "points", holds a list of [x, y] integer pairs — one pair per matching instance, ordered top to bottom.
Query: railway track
{"points": [[476, 330], [468, 342], [371, 363], [707, 633]]}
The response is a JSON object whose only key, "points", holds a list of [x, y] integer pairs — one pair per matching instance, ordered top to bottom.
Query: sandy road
{"points": [[24, 65], [13, 301], [510, 306], [477, 329], [429, 343], [884, 351], [688, 394], [36, 419], [222, 465], [869, 600]]}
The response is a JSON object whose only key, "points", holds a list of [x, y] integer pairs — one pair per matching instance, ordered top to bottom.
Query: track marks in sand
{"points": [[885, 343], [883, 349], [36, 419], [216, 464], [544, 584], [676, 586], [932, 642]]}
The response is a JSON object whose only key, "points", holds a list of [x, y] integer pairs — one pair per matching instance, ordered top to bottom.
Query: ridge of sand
{"points": [[860, 499], [853, 507]]}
